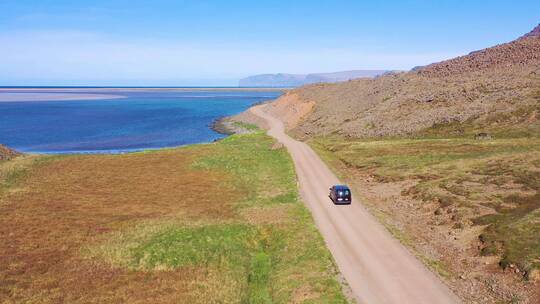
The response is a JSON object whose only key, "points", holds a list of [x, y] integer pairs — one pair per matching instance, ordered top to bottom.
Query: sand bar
{"points": [[20, 96]]}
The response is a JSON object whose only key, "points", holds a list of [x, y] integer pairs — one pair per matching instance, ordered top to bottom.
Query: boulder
{"points": [[483, 136], [277, 146], [7, 153]]}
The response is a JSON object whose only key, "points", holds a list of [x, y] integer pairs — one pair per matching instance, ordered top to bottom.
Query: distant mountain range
{"points": [[296, 80]]}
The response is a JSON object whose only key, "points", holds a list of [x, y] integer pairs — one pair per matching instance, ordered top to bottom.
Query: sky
{"points": [[214, 43]]}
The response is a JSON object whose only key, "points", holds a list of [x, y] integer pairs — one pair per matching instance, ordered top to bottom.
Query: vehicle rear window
{"points": [[343, 193]]}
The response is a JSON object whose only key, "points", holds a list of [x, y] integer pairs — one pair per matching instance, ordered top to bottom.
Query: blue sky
{"points": [[108, 42]]}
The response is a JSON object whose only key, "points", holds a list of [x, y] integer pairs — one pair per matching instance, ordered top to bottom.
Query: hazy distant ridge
{"points": [[295, 80]]}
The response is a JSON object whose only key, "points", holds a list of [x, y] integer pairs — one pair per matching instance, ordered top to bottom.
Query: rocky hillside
{"points": [[534, 33], [522, 52], [295, 80], [495, 89], [7, 153]]}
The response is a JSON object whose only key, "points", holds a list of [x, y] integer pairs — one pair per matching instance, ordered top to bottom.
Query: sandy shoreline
{"points": [[28, 97]]}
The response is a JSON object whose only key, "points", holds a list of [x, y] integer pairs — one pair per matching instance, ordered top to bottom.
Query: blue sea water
{"points": [[143, 120]]}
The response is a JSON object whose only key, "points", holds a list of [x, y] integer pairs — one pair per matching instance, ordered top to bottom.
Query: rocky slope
{"points": [[534, 33], [295, 80], [488, 90], [7, 153]]}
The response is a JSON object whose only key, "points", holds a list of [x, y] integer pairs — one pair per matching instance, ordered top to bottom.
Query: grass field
{"points": [[491, 183], [214, 223]]}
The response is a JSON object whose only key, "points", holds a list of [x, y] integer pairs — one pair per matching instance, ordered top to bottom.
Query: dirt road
{"points": [[377, 267]]}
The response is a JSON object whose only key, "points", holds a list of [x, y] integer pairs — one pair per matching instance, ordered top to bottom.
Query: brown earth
{"points": [[289, 108], [7, 153], [40, 258]]}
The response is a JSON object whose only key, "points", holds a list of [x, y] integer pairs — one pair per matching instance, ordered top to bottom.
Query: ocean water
{"points": [[143, 120]]}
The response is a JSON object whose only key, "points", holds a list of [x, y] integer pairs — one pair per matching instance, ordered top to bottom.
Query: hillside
{"points": [[295, 80], [496, 90], [409, 144], [7, 153]]}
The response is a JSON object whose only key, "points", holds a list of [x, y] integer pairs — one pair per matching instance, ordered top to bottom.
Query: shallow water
{"points": [[143, 120]]}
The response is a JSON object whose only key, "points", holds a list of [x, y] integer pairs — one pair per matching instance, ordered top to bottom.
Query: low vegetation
{"points": [[519, 123], [493, 184], [215, 223]]}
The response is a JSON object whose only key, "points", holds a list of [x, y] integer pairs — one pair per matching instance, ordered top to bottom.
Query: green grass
{"points": [[516, 124], [249, 127], [394, 156], [13, 172], [502, 175], [265, 176], [513, 231], [180, 246], [269, 252], [259, 277]]}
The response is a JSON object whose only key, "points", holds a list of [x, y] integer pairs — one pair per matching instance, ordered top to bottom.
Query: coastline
{"points": [[236, 124], [224, 125], [230, 126]]}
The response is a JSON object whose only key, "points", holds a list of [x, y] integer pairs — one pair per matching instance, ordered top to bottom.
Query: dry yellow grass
{"points": [[70, 201], [188, 225]]}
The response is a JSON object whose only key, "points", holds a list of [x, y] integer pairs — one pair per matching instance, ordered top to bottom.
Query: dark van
{"points": [[340, 194]]}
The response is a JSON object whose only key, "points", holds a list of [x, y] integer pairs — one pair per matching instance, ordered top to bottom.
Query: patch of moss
{"points": [[461, 172]]}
